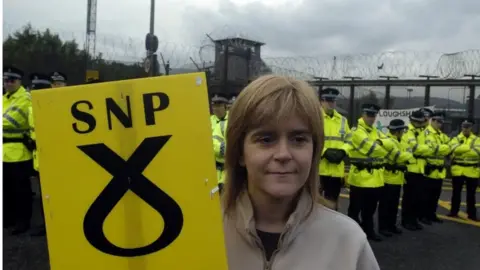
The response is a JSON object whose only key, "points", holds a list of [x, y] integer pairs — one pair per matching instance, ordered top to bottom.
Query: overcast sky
{"points": [[419, 30]]}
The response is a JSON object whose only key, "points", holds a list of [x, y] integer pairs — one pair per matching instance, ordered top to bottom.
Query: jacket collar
{"points": [[20, 91], [335, 114], [224, 118], [361, 123], [412, 127], [432, 130], [245, 222]]}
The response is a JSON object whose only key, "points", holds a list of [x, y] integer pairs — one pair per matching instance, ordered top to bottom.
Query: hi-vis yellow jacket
{"points": [[214, 120], [15, 125], [336, 129], [33, 137], [414, 139], [219, 147], [399, 154], [367, 156], [465, 156], [435, 168]]}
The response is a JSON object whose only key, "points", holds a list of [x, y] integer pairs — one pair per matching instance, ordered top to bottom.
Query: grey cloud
{"points": [[359, 26]]}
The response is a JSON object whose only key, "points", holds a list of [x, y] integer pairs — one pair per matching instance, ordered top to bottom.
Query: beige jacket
{"points": [[323, 240]]}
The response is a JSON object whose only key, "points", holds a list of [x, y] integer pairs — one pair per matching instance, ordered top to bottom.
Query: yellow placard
{"points": [[92, 75], [126, 170]]}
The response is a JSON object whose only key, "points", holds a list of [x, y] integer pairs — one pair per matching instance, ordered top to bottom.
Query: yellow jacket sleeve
{"points": [[15, 115], [31, 124], [219, 141], [417, 143], [366, 146], [439, 149]]}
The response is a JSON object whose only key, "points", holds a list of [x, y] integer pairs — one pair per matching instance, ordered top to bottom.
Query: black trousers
{"points": [[457, 184], [330, 187], [432, 189], [17, 193], [412, 197], [363, 203], [388, 206], [42, 212]]}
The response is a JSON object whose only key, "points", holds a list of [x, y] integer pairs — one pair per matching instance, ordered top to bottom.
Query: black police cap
{"points": [[11, 72], [57, 76], [40, 81], [329, 93], [219, 99], [370, 108], [427, 112], [438, 115], [418, 116], [468, 121], [397, 124]]}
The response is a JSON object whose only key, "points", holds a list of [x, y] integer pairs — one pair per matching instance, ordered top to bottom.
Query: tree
{"points": [[35, 51]]}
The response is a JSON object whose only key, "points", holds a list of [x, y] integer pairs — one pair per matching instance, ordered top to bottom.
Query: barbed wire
{"points": [[403, 64]]}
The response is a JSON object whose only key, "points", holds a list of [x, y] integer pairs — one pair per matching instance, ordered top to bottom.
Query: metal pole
{"points": [[152, 28]]}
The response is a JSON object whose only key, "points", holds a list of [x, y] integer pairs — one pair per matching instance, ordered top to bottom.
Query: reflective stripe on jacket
{"points": [[15, 125], [335, 128], [33, 137], [414, 139], [219, 147], [399, 155], [366, 156], [465, 156], [436, 161]]}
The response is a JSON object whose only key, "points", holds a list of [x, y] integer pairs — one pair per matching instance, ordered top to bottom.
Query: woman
{"points": [[274, 217]]}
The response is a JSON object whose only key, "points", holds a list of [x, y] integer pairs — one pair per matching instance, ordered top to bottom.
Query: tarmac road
{"points": [[453, 245]]}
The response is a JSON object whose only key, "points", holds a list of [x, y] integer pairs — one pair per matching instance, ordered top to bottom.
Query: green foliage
{"points": [[35, 51]]}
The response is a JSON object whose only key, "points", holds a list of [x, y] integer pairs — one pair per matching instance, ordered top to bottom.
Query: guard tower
{"points": [[237, 60]]}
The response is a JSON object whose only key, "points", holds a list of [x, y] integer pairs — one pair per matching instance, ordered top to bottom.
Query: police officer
{"points": [[58, 79], [38, 81], [230, 103], [219, 109], [428, 113], [414, 139], [219, 147], [17, 158], [332, 167], [465, 168], [366, 170], [435, 171], [394, 179]]}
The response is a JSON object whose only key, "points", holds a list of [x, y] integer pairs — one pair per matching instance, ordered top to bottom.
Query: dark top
{"points": [[269, 242]]}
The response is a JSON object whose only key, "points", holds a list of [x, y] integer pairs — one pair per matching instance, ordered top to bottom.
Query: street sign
{"points": [[92, 75], [127, 173]]}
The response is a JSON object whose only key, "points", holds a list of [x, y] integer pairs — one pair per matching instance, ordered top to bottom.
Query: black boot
{"points": [[437, 220], [425, 221], [409, 226], [395, 230], [385, 233], [374, 237]]}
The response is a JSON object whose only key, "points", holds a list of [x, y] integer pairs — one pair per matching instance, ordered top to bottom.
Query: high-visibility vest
{"points": [[16, 108], [335, 129]]}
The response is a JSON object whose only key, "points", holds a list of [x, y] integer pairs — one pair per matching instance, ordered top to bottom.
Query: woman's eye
{"points": [[265, 139], [300, 139]]}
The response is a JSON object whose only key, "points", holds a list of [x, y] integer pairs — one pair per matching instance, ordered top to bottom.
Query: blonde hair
{"points": [[266, 99]]}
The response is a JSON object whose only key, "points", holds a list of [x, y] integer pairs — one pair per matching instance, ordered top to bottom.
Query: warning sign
{"points": [[127, 169]]}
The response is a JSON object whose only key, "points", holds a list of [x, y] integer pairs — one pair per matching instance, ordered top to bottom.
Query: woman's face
{"points": [[278, 158]]}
